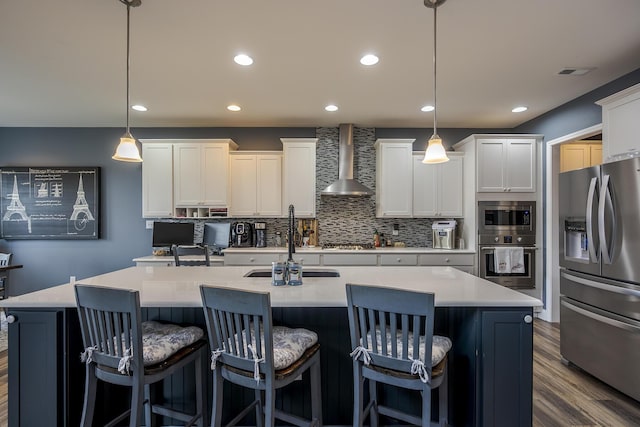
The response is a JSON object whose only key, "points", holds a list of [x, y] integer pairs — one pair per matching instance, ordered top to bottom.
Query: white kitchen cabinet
{"points": [[620, 124], [506, 165], [201, 172], [299, 176], [157, 178], [394, 178], [256, 184], [437, 189], [251, 259], [464, 262]]}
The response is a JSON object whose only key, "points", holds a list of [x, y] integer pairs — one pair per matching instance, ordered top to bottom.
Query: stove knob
{"points": [[496, 239], [519, 239]]}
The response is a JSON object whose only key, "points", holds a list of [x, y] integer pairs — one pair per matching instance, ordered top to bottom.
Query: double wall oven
{"points": [[506, 224]]}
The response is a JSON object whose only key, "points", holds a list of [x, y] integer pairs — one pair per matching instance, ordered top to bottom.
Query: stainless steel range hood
{"points": [[346, 185]]}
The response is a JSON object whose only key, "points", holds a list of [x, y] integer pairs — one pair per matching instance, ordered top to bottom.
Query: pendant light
{"points": [[127, 150], [435, 152]]}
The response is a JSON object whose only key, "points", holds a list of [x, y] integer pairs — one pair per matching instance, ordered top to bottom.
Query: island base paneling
{"points": [[44, 361]]}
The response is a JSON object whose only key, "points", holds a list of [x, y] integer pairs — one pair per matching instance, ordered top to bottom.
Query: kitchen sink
{"points": [[309, 272]]}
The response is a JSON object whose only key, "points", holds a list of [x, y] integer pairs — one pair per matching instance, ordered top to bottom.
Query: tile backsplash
{"points": [[345, 220]]}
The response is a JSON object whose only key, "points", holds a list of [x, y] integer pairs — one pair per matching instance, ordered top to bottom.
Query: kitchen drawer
{"points": [[250, 259], [305, 259], [350, 259], [399, 259], [445, 259], [155, 264]]}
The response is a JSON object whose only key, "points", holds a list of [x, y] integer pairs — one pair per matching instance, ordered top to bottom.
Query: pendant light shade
{"points": [[127, 150], [435, 152]]}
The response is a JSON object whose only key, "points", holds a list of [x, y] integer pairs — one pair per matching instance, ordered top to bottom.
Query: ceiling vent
{"points": [[575, 71]]}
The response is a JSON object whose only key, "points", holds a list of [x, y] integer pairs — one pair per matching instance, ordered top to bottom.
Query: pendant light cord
{"points": [[435, 44], [128, 62]]}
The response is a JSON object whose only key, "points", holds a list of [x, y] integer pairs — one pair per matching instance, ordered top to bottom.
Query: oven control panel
{"points": [[507, 239]]}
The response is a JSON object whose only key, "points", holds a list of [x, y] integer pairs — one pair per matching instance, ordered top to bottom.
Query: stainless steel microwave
{"points": [[516, 217]]}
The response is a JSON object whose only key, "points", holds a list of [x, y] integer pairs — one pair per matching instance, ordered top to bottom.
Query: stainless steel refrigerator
{"points": [[600, 272]]}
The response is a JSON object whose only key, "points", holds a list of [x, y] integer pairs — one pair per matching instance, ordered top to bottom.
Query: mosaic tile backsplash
{"points": [[348, 220]]}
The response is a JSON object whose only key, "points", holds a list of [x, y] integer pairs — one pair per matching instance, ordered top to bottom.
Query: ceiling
{"points": [[62, 63]]}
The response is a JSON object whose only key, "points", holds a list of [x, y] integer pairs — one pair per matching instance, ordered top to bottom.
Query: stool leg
{"points": [[200, 392], [316, 392], [358, 392], [89, 396], [373, 396], [137, 399], [443, 401], [147, 405], [426, 405], [259, 408], [216, 411]]}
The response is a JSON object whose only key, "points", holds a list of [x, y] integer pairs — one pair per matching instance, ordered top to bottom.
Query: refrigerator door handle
{"points": [[604, 195], [593, 254], [599, 285], [600, 318]]}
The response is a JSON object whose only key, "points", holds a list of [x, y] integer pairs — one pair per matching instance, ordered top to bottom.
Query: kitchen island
{"points": [[490, 365]]}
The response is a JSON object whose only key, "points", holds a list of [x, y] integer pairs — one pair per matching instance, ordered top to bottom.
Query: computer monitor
{"points": [[172, 233], [216, 234]]}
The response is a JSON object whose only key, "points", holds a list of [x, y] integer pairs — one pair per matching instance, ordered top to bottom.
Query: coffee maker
{"points": [[261, 234], [241, 235]]}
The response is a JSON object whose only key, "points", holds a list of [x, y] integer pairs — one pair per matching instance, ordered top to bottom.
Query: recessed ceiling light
{"points": [[243, 59], [369, 59], [575, 71], [138, 107], [233, 107], [331, 107], [427, 108], [519, 109]]}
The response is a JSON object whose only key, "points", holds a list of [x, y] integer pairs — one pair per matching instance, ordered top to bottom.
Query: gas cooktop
{"points": [[348, 246]]}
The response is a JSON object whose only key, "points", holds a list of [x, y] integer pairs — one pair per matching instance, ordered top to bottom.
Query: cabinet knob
{"points": [[251, 259], [398, 260], [446, 260], [11, 318], [528, 318]]}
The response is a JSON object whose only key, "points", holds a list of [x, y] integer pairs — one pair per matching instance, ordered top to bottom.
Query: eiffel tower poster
{"points": [[49, 203]]}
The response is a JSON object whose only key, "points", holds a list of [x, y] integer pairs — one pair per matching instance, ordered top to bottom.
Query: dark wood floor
{"points": [[562, 395]]}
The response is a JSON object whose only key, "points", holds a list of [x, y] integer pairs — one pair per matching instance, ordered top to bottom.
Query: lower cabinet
{"points": [[251, 259], [45, 374], [506, 374]]}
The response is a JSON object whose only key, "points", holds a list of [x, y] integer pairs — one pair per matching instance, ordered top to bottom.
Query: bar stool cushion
{"points": [[161, 340], [290, 344], [439, 349]]}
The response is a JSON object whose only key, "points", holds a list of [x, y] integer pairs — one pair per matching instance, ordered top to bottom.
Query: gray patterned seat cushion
{"points": [[160, 340], [288, 344], [441, 345]]}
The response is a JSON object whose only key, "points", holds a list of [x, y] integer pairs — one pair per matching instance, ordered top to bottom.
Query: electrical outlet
{"points": [[150, 225], [396, 229]]}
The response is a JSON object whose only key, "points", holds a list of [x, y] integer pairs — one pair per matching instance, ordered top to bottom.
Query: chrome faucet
{"points": [[290, 232]]}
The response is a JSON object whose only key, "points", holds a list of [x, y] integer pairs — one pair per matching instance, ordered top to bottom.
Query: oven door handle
{"points": [[493, 248]]}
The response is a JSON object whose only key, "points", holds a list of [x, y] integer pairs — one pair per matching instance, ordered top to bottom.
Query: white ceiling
{"points": [[62, 63]]}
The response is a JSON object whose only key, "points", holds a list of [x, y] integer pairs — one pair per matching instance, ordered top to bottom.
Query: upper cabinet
{"points": [[620, 124], [580, 155], [506, 165], [201, 172], [299, 175], [157, 178], [394, 178], [256, 184], [438, 189]]}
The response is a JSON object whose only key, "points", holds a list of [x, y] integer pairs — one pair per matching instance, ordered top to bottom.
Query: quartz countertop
{"points": [[320, 250], [179, 287]]}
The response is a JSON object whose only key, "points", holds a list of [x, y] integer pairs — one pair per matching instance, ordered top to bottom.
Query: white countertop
{"points": [[319, 250], [179, 287]]}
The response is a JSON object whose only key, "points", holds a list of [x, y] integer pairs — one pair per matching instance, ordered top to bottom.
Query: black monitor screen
{"points": [[172, 233], [217, 234]]}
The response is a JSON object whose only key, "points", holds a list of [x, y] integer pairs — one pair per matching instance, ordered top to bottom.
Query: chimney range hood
{"points": [[346, 185]]}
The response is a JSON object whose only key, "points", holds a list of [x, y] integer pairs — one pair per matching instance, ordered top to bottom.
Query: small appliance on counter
{"points": [[261, 234], [444, 234], [241, 235]]}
